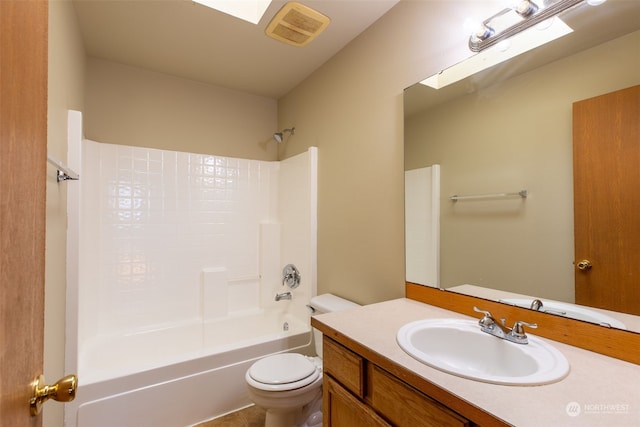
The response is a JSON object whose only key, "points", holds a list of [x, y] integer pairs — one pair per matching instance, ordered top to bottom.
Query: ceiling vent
{"points": [[296, 24]]}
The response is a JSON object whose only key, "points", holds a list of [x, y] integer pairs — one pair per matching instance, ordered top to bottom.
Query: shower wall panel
{"points": [[152, 220]]}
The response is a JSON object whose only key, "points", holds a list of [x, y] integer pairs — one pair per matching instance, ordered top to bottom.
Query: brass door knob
{"points": [[584, 265], [64, 390]]}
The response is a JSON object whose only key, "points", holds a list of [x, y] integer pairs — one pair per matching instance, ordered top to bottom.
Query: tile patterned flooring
{"points": [[247, 417]]}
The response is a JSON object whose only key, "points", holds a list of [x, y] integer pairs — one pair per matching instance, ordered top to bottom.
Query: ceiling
{"points": [[186, 39]]}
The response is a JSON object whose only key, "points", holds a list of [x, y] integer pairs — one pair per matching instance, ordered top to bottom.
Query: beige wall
{"points": [[66, 83], [132, 106], [352, 110], [513, 136]]}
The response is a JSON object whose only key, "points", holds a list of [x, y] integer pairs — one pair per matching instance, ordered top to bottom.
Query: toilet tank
{"points": [[327, 303]]}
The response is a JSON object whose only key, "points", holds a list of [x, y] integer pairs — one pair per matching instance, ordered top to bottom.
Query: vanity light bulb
{"points": [[595, 2], [512, 4], [520, 6], [526, 8], [471, 26], [478, 30], [484, 32]]}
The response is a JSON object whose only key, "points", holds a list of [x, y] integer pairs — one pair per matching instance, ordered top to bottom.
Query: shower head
{"points": [[279, 136]]}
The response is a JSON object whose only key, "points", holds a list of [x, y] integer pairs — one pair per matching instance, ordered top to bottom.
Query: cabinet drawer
{"points": [[343, 365], [405, 406]]}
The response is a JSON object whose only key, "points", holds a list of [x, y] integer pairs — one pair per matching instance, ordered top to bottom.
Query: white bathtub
{"points": [[178, 376]]}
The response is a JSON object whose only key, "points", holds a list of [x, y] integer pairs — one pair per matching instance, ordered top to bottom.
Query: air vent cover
{"points": [[296, 24]]}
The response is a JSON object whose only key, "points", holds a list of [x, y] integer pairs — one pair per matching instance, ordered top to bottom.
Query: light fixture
{"points": [[247, 10], [522, 15], [525, 25], [499, 52], [279, 136]]}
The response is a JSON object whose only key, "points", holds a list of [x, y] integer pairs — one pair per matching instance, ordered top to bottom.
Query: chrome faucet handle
{"points": [[485, 312], [487, 320], [518, 326], [517, 334]]}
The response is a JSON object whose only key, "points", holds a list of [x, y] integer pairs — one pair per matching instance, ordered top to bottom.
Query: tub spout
{"points": [[284, 295]]}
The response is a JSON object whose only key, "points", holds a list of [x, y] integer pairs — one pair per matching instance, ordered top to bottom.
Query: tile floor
{"points": [[248, 417]]}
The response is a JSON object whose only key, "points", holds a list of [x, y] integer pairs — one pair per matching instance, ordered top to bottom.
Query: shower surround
{"points": [[179, 259]]}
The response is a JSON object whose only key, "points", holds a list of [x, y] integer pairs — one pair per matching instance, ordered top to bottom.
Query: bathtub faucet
{"points": [[284, 295]]}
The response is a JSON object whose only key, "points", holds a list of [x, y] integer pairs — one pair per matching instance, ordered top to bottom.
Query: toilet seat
{"points": [[282, 372]]}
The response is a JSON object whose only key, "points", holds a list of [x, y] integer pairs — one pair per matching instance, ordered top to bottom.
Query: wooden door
{"points": [[23, 145], [606, 155]]}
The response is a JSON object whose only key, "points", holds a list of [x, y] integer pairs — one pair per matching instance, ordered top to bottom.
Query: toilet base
{"points": [[312, 413], [309, 415], [280, 418]]}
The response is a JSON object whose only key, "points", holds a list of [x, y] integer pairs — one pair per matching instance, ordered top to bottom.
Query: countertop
{"points": [[598, 391]]}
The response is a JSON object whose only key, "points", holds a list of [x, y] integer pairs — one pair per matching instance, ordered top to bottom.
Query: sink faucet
{"points": [[284, 295], [536, 305], [515, 334]]}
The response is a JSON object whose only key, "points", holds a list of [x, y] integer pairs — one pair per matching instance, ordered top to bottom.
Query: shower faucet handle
{"points": [[291, 276]]}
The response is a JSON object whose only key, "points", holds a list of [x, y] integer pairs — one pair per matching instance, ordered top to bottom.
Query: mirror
{"points": [[508, 129]]}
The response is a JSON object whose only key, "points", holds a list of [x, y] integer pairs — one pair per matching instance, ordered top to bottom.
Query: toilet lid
{"points": [[282, 369]]}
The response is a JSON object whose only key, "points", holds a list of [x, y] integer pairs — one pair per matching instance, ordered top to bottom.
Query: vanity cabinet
{"points": [[357, 392]]}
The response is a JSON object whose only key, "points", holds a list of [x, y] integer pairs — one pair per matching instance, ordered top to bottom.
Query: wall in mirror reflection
{"points": [[508, 137]]}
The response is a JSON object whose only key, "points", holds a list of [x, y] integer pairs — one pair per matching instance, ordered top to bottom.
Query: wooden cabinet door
{"points": [[405, 406], [342, 409]]}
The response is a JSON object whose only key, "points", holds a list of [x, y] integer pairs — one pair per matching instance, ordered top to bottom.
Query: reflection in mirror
{"points": [[509, 129]]}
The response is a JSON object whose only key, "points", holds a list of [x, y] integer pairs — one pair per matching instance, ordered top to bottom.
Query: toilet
{"points": [[289, 385]]}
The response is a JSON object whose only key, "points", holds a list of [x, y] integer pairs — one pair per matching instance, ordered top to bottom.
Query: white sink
{"points": [[572, 311], [460, 348]]}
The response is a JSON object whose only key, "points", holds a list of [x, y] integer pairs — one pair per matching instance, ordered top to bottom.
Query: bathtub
{"points": [[180, 375]]}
